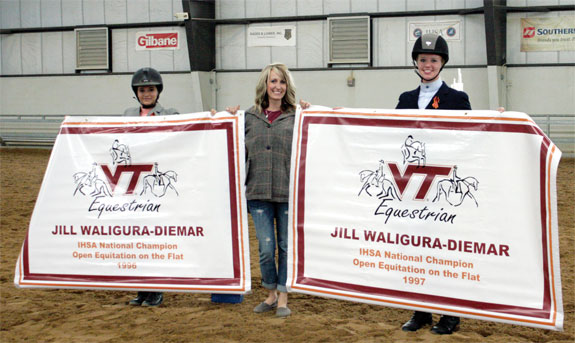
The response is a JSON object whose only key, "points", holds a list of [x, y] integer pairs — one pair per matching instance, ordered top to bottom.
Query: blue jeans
{"points": [[263, 213]]}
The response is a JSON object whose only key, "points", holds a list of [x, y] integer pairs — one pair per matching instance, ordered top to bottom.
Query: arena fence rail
{"points": [[561, 129], [30, 130]]}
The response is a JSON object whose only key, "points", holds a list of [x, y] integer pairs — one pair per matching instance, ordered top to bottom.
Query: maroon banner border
{"points": [[201, 126], [525, 128]]}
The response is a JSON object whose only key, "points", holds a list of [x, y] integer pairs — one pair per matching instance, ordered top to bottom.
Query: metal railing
{"points": [[560, 128], [31, 130], [41, 130]]}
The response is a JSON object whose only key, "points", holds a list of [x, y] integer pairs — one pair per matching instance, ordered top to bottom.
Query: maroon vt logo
{"points": [[132, 171], [430, 173], [103, 181], [388, 182], [394, 187]]}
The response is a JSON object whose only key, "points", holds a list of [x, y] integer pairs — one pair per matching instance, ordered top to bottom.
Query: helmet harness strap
{"points": [[421, 77], [149, 106]]}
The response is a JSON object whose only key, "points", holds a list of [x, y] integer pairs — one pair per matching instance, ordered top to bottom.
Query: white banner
{"points": [[450, 30], [548, 34], [271, 36], [153, 203], [450, 212]]}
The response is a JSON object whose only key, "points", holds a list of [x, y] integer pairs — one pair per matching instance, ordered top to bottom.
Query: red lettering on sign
{"points": [[158, 40], [430, 172]]}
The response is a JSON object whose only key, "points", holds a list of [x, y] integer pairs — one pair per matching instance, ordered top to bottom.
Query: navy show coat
{"points": [[447, 99]]}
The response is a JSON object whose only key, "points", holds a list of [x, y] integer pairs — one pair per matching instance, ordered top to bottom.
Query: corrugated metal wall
{"points": [[52, 13], [390, 44], [54, 52]]}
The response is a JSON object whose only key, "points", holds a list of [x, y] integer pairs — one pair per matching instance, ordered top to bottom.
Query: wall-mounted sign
{"points": [[450, 30], [548, 34], [271, 36], [157, 40]]}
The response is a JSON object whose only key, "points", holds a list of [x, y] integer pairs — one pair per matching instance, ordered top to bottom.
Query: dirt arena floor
{"points": [[103, 316]]}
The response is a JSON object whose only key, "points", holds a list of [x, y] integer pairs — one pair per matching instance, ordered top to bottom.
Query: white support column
{"points": [[497, 85], [202, 95]]}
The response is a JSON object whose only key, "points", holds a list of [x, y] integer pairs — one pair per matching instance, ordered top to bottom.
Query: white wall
{"points": [[229, 9], [51, 13], [390, 44], [54, 52], [373, 88], [535, 90], [541, 90], [94, 94]]}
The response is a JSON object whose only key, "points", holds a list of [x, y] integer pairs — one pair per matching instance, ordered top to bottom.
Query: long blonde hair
{"points": [[288, 101]]}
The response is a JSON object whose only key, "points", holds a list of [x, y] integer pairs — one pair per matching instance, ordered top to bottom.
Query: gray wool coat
{"points": [[268, 155]]}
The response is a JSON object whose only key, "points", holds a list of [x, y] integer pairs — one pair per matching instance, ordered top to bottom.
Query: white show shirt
{"points": [[427, 91]]}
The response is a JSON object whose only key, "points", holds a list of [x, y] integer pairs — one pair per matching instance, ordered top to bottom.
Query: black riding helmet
{"points": [[430, 43], [147, 77]]}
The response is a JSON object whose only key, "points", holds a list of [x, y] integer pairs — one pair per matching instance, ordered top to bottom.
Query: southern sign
{"points": [[548, 34], [153, 203], [449, 212]]}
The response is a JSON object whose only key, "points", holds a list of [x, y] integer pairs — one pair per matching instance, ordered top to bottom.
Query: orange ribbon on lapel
{"points": [[435, 102]]}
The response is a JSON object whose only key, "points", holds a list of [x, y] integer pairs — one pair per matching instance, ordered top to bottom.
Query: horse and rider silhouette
{"points": [[413, 151], [120, 153], [377, 180], [90, 183], [158, 183], [384, 187], [456, 189]]}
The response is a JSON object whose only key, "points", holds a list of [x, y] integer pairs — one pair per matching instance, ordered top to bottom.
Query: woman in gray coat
{"points": [[269, 128], [268, 137]]}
